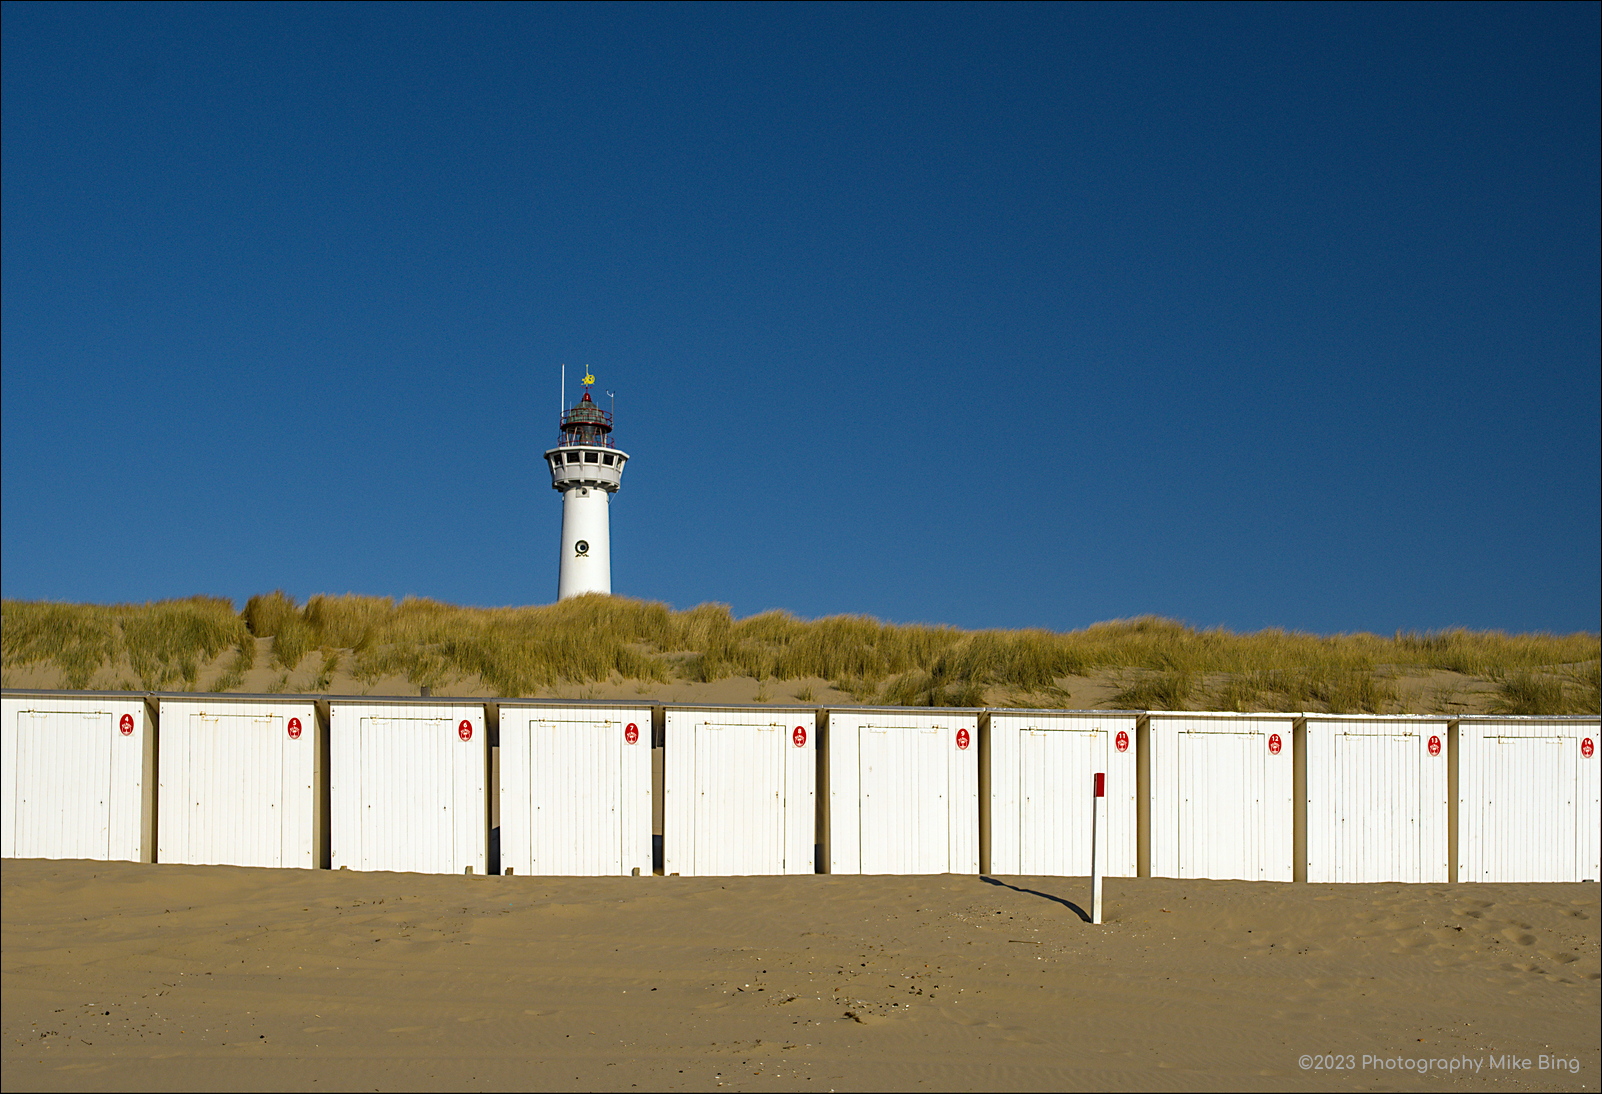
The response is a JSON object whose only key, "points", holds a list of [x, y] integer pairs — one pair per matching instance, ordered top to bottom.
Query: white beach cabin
{"points": [[1037, 773], [77, 776], [240, 781], [408, 785], [575, 789], [740, 789], [903, 792], [1220, 795], [1375, 798], [1528, 803]]}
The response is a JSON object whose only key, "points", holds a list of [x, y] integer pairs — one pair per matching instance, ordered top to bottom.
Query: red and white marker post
{"points": [[1098, 836]]}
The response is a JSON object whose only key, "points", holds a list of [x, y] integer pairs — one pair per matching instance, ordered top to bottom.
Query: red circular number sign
{"points": [[125, 726], [294, 729], [465, 730], [631, 733], [799, 737], [962, 738], [1121, 742], [1274, 744], [1435, 746], [1587, 748]]}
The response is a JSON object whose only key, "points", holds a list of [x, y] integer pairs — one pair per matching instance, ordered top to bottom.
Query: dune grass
{"points": [[159, 646], [1160, 663]]}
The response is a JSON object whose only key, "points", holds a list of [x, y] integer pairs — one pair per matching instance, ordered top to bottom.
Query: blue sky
{"points": [[989, 315]]}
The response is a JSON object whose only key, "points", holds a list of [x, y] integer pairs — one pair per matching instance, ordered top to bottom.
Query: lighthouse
{"points": [[586, 469]]}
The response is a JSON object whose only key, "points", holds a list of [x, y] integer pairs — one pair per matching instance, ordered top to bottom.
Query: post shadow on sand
{"points": [[1070, 905]]}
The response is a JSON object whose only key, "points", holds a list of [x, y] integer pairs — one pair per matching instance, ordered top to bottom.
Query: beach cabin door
{"points": [[63, 785], [574, 786], [739, 799], [222, 804], [1055, 804], [1378, 807], [1221, 817], [406, 819], [1530, 819], [906, 822]]}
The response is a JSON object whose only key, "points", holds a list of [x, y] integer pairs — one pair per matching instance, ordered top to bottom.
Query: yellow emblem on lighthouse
{"points": [[588, 379]]}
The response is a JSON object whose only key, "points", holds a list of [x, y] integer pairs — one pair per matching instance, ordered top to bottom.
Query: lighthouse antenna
{"points": [[564, 392]]}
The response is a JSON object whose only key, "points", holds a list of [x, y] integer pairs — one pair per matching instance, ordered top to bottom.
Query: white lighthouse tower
{"points": [[587, 469]]}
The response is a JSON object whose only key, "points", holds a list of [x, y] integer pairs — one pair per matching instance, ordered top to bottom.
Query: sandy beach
{"points": [[126, 976]]}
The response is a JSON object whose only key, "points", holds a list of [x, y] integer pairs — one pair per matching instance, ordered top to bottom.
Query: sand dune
{"points": [[1417, 692], [145, 977]]}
